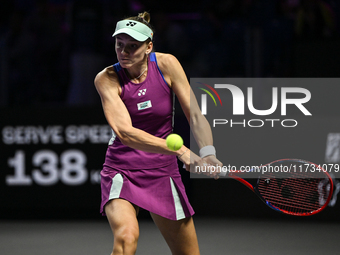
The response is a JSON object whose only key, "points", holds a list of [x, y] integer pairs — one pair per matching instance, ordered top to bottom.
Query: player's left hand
{"points": [[214, 164]]}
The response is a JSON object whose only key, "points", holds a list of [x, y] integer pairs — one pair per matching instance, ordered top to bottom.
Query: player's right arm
{"points": [[108, 87], [118, 117]]}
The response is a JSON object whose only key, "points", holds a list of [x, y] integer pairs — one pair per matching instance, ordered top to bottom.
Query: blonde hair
{"points": [[145, 16]]}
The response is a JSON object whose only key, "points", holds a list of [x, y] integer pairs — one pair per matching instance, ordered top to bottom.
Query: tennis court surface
{"points": [[216, 236]]}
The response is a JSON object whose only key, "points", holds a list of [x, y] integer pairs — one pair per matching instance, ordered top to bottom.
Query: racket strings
{"points": [[294, 193], [285, 197]]}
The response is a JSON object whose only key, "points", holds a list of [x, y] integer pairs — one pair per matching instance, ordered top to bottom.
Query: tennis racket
{"points": [[291, 186]]}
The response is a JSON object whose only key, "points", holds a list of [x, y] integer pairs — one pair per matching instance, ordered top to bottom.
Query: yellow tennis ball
{"points": [[174, 142]]}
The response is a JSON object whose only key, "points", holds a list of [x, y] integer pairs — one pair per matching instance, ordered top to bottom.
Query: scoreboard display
{"points": [[51, 161]]}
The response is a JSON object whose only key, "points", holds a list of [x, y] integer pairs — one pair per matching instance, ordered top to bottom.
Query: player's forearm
{"points": [[201, 130], [141, 140]]}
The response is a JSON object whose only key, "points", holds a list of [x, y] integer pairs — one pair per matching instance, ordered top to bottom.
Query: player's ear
{"points": [[149, 48]]}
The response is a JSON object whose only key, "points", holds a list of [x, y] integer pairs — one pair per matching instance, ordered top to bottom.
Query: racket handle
{"points": [[223, 174]]}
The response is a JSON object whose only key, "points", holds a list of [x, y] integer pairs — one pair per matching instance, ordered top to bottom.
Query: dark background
{"points": [[50, 52]]}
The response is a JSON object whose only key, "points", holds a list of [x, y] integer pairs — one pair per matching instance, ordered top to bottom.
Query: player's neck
{"points": [[139, 73]]}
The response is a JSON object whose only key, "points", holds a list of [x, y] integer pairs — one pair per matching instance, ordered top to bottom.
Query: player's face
{"points": [[129, 51]]}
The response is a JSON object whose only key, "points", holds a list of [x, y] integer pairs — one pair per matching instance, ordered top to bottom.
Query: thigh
{"points": [[122, 216], [180, 235]]}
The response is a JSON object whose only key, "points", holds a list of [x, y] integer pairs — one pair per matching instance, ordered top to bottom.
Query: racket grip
{"points": [[222, 174]]}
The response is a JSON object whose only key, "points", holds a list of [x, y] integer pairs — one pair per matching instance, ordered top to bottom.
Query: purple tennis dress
{"points": [[149, 180]]}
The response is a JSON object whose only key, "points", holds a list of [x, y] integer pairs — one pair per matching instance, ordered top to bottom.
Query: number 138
{"points": [[46, 172]]}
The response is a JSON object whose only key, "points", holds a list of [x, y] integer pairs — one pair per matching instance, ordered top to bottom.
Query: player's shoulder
{"points": [[165, 58], [168, 63], [108, 74]]}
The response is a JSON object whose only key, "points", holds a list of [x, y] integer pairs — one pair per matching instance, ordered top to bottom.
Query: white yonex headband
{"points": [[133, 28]]}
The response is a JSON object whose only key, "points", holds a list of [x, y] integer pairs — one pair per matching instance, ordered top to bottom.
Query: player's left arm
{"points": [[177, 80]]}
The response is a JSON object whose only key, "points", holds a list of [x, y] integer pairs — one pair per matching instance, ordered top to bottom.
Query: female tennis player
{"points": [[139, 170]]}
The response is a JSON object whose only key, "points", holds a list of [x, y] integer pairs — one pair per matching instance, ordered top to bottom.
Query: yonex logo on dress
{"points": [[131, 24], [142, 92]]}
